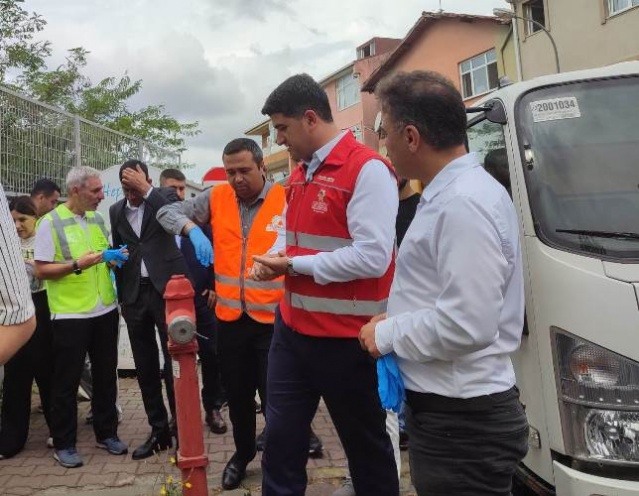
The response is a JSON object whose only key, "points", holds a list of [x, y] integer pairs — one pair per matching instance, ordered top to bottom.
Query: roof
{"points": [[424, 21], [336, 74], [259, 129]]}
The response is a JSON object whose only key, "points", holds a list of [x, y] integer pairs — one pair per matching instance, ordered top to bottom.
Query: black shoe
{"points": [[258, 408], [215, 421], [259, 440], [157, 441], [315, 448], [233, 473]]}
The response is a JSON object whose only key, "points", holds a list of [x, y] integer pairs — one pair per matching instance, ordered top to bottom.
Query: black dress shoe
{"points": [[215, 421], [157, 441], [315, 448], [233, 473]]}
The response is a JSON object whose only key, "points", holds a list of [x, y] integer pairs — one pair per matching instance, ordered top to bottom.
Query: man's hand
{"points": [[135, 180], [202, 246], [89, 259], [269, 266], [260, 272], [210, 296], [367, 336]]}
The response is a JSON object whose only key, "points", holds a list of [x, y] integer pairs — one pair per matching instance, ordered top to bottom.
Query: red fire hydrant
{"points": [[180, 320]]}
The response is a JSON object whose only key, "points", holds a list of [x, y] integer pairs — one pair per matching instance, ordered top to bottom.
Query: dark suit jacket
{"points": [[161, 255]]}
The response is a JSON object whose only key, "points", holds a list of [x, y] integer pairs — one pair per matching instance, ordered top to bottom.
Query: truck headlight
{"points": [[599, 400]]}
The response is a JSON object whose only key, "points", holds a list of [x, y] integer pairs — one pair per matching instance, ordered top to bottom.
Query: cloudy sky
{"points": [[215, 61]]}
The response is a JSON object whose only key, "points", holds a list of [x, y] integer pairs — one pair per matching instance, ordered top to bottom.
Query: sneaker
{"points": [[259, 441], [50, 442], [113, 445], [68, 458], [347, 488]]}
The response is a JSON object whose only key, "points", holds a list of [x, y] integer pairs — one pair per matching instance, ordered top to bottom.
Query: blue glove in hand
{"points": [[202, 245], [116, 255], [390, 385]]}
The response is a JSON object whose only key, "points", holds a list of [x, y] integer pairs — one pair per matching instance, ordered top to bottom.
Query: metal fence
{"points": [[38, 140]]}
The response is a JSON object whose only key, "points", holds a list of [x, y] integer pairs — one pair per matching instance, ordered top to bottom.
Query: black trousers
{"points": [[142, 318], [72, 340], [243, 351], [33, 361], [301, 369], [213, 396], [467, 453]]}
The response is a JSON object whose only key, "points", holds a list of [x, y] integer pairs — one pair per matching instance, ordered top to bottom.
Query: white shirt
{"points": [[135, 215], [370, 215], [45, 252], [456, 305], [16, 306]]}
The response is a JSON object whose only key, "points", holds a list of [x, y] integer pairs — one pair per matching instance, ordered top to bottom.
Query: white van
{"points": [[571, 142]]}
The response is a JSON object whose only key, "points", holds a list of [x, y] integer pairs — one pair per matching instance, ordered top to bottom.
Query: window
{"points": [[616, 6], [534, 11], [366, 51], [479, 74], [347, 91]]}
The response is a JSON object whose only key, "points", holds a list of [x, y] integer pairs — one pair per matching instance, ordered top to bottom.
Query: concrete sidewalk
{"points": [[35, 472]]}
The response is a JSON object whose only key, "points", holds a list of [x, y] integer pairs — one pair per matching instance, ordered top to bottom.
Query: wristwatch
{"points": [[76, 268]]}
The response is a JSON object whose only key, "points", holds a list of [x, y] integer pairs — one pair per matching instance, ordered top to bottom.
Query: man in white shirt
{"points": [[456, 305]]}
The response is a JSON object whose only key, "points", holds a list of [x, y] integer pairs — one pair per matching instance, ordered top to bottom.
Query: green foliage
{"points": [[106, 102]]}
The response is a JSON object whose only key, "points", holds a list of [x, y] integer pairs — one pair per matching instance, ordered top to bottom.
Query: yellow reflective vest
{"points": [[78, 293]]}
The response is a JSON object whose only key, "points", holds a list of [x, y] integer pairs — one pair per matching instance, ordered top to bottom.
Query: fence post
{"points": [[78, 145], [141, 151]]}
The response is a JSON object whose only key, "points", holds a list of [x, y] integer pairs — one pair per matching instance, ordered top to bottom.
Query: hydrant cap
{"points": [[182, 329]]}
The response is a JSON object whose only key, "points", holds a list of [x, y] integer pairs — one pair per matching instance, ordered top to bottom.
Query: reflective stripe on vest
{"points": [[59, 224], [316, 242], [249, 283], [268, 307], [338, 307]]}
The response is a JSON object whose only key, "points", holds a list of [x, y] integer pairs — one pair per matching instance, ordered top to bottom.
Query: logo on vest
{"points": [[320, 206], [276, 224]]}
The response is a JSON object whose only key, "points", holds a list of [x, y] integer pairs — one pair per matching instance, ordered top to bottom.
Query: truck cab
{"points": [[568, 145]]}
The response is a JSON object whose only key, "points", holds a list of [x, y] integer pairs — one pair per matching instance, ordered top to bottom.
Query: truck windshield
{"points": [[579, 144]]}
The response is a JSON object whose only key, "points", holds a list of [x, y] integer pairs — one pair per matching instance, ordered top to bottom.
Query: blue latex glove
{"points": [[202, 245], [116, 255], [390, 385]]}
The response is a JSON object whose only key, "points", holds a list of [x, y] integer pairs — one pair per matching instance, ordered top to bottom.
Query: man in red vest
{"points": [[338, 266]]}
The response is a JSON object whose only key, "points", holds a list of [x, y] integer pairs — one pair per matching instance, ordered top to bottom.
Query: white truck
{"points": [[571, 142]]}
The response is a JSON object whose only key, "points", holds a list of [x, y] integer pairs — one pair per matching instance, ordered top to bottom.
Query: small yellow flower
{"points": [[173, 460], [169, 480], [188, 485], [163, 490]]}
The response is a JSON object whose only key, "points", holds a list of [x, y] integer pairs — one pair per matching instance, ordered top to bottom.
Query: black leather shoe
{"points": [[215, 421], [157, 441], [259, 441], [315, 448], [233, 473]]}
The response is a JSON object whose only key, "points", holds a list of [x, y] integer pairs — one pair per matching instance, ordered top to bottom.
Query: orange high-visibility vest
{"points": [[234, 255]]}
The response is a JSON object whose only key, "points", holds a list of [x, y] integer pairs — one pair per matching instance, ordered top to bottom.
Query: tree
{"points": [[106, 102]]}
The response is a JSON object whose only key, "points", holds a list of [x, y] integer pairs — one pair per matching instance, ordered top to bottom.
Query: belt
{"points": [[431, 402]]}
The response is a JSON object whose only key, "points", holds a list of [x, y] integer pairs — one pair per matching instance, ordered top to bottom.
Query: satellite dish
{"points": [[378, 122]]}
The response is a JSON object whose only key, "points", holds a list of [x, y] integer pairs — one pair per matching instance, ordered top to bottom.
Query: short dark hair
{"points": [[295, 96], [428, 101], [244, 145], [132, 164], [176, 174], [45, 186], [24, 205]]}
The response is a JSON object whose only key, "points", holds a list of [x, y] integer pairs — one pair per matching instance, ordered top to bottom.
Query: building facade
{"points": [[588, 34]]}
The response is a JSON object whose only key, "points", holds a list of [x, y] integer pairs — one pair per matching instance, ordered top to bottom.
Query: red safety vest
{"points": [[316, 222], [234, 255]]}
